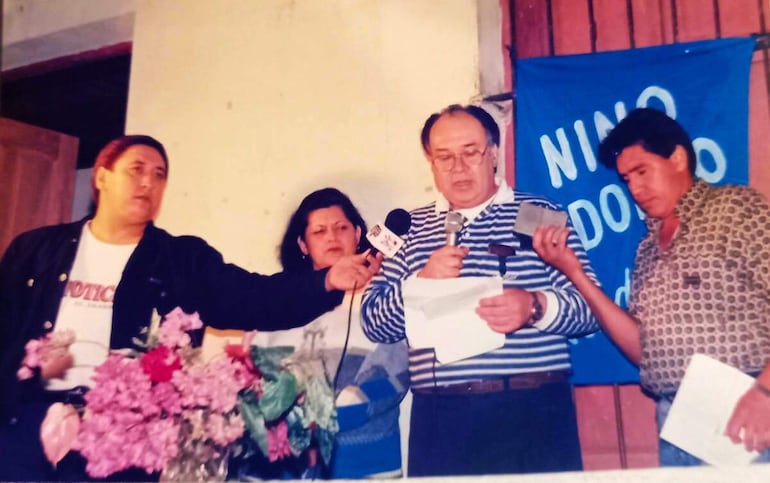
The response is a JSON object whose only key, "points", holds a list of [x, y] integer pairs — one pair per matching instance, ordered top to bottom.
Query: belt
{"points": [[530, 380]]}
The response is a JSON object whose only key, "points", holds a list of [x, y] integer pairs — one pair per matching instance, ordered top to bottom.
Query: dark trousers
{"points": [[514, 431], [21, 453], [22, 457]]}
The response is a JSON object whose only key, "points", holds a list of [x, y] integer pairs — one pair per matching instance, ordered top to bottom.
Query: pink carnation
{"points": [[176, 324], [160, 364], [278, 442]]}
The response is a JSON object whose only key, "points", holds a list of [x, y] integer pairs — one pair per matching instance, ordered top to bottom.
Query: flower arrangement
{"points": [[148, 410], [168, 410]]}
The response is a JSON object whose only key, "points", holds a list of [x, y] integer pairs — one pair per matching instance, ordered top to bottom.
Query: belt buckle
{"points": [[533, 380], [523, 381], [488, 386]]}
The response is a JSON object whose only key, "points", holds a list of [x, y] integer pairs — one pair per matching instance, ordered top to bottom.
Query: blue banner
{"points": [[565, 105]]}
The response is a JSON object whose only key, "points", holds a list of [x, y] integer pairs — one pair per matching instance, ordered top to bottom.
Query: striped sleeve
{"points": [[382, 309]]}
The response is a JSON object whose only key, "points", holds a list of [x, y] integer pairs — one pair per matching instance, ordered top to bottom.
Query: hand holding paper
{"points": [[506, 312], [442, 314], [698, 417], [750, 421]]}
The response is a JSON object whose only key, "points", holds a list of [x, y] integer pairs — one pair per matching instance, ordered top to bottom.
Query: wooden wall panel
{"points": [[764, 7], [738, 17], [611, 19], [695, 20], [649, 26], [531, 27], [571, 27], [507, 40], [759, 125], [759, 149], [597, 426], [639, 427], [600, 435]]}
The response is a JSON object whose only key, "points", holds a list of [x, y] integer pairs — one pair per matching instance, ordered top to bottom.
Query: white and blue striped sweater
{"points": [[526, 350]]}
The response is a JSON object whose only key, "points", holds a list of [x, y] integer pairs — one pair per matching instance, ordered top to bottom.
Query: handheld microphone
{"points": [[453, 224], [386, 237]]}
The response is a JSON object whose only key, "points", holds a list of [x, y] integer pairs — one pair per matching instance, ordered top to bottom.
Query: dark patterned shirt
{"points": [[709, 291]]}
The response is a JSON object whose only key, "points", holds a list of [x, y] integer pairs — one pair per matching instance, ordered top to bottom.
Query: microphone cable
{"points": [[347, 340]]}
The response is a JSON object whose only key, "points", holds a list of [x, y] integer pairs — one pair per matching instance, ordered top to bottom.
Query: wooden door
{"points": [[37, 178]]}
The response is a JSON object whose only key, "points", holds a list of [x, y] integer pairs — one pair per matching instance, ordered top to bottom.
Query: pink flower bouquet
{"points": [[149, 410], [168, 410]]}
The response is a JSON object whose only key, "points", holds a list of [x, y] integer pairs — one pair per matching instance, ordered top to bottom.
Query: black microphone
{"points": [[453, 224], [386, 237]]}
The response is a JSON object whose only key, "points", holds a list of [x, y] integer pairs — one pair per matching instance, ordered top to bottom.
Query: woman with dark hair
{"points": [[293, 256], [369, 379]]}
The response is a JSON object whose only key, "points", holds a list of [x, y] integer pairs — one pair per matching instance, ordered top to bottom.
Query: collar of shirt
{"points": [[504, 194], [684, 207]]}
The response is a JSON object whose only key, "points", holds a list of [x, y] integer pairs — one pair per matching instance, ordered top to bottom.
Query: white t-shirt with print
{"points": [[86, 306]]}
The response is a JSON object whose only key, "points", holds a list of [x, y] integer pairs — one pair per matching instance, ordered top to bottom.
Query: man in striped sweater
{"points": [[509, 410]]}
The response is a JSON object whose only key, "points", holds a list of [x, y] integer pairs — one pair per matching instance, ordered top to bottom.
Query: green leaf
{"points": [[268, 359], [278, 396], [255, 423], [298, 434], [325, 444]]}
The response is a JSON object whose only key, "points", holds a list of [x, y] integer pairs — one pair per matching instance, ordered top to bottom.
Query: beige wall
{"points": [[261, 102]]}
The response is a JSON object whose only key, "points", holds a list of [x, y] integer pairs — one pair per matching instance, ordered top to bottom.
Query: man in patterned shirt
{"points": [[701, 281], [508, 410]]}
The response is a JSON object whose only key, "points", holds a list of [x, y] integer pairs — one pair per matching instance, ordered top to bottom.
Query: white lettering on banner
{"points": [[661, 94], [603, 123], [585, 145], [717, 155], [558, 159], [614, 203], [589, 209], [583, 214], [620, 225], [625, 289]]}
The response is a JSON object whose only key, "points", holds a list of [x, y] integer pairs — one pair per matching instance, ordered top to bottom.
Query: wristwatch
{"points": [[537, 310]]}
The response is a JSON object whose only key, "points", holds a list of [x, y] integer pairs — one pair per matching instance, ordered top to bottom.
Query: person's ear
{"points": [[492, 151], [679, 158], [100, 178], [358, 235], [302, 245]]}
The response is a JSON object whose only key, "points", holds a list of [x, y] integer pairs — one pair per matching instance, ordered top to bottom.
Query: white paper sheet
{"points": [[442, 314], [701, 409]]}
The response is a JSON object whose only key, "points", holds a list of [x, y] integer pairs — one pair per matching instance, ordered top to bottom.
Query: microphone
{"points": [[453, 224], [386, 237]]}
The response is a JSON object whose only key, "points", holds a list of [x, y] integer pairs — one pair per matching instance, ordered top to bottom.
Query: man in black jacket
{"points": [[104, 277]]}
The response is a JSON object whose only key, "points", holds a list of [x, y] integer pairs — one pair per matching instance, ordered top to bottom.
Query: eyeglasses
{"points": [[471, 157]]}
